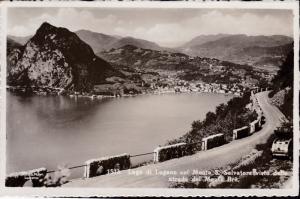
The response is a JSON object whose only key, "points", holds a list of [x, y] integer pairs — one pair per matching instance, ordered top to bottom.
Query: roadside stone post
{"points": [[169, 152]]}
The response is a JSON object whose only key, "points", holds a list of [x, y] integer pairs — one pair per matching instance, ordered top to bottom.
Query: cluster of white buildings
{"points": [[175, 85]]}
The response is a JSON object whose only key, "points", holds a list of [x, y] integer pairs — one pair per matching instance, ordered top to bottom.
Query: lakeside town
{"points": [[137, 81], [175, 86]]}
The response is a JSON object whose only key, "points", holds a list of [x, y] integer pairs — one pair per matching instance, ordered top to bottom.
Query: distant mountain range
{"points": [[201, 39], [20, 40], [97, 41], [102, 42], [12, 45], [259, 51], [267, 52], [56, 57], [143, 58], [147, 59], [185, 67]]}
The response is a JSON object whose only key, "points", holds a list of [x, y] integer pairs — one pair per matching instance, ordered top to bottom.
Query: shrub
{"points": [[226, 118], [60, 177]]}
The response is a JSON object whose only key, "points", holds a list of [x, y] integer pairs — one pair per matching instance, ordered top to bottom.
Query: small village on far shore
{"points": [[146, 84], [181, 87]]}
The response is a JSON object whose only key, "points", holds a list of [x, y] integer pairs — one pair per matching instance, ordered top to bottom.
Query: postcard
{"points": [[149, 99]]}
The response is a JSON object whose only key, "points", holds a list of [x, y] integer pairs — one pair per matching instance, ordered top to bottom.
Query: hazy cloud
{"points": [[167, 27]]}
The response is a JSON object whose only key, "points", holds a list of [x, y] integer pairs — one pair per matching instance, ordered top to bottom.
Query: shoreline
{"points": [[60, 92], [145, 94]]}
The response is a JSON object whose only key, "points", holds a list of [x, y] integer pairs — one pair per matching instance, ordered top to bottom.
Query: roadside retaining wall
{"points": [[257, 124], [252, 127], [247, 130], [240, 133], [212, 141], [169, 152], [96, 167], [18, 179]]}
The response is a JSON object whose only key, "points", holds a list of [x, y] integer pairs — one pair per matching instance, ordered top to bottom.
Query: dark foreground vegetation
{"points": [[284, 80], [234, 115], [226, 117], [261, 160]]}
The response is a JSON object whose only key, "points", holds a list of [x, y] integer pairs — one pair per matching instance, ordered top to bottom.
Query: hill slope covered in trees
{"points": [[283, 86], [226, 117]]}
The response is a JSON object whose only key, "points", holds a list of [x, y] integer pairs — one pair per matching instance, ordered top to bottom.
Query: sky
{"points": [[166, 27]]}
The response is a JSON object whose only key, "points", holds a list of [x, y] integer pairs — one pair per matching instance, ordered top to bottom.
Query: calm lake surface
{"points": [[52, 131]]}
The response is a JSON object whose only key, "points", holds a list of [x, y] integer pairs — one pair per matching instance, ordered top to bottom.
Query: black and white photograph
{"points": [[151, 98]]}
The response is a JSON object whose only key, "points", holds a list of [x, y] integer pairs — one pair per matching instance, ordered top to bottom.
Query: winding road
{"points": [[203, 160]]}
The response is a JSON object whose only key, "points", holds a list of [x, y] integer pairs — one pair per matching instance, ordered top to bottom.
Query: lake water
{"points": [[52, 131]]}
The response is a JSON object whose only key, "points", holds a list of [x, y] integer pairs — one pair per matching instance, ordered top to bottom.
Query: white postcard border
{"points": [[88, 192]]}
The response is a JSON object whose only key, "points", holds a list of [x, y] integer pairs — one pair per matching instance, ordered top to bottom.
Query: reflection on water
{"points": [[51, 131]]}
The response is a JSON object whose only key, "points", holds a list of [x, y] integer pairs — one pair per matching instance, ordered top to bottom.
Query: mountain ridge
{"points": [[20, 39], [201, 39], [97, 41], [102, 42], [241, 49], [261, 51], [56, 57]]}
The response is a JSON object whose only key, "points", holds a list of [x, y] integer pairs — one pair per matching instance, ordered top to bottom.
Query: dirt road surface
{"points": [[203, 160]]}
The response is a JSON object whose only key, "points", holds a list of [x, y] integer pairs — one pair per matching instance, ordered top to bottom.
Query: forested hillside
{"points": [[282, 86], [226, 117]]}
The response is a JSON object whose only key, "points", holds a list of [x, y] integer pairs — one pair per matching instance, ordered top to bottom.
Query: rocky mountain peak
{"points": [[46, 27], [48, 35], [57, 57]]}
